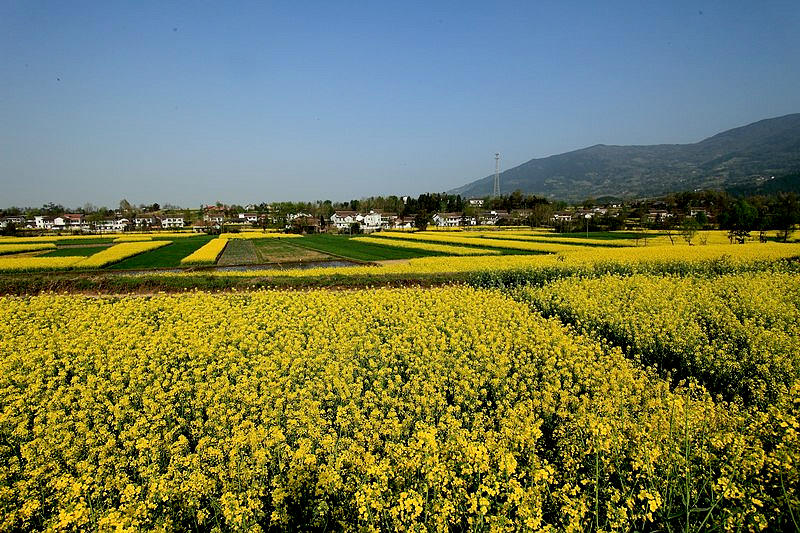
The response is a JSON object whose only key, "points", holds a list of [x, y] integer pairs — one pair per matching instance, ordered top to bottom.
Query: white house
{"points": [[476, 202], [657, 215], [291, 216], [562, 216], [492, 217], [214, 218], [250, 218], [344, 219], [387, 219], [449, 220], [18, 221], [74, 221], [146, 221], [172, 221], [371, 221], [43, 222], [403, 223], [112, 225]]}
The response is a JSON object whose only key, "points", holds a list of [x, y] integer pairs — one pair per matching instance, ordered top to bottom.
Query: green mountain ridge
{"points": [[739, 157]]}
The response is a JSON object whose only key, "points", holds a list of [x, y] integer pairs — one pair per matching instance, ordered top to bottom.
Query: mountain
{"points": [[735, 158]]}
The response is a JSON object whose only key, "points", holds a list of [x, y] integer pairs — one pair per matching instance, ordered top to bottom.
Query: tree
{"points": [[52, 209], [786, 215], [701, 218], [739, 219], [421, 220], [668, 224], [689, 228], [9, 229]]}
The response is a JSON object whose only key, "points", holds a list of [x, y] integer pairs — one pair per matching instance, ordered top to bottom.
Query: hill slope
{"points": [[729, 159]]}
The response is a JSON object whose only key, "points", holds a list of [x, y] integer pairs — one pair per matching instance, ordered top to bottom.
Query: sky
{"points": [[249, 102]]}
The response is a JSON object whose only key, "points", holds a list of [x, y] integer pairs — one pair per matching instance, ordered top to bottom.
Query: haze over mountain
{"points": [[737, 157]]}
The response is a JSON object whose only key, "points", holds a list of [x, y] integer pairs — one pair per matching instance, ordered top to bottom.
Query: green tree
{"points": [[786, 214], [739, 219], [421, 220], [689, 228]]}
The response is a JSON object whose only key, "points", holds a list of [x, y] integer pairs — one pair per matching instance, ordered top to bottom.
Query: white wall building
{"points": [[250, 218], [344, 219], [448, 220], [172, 221], [43, 222]]}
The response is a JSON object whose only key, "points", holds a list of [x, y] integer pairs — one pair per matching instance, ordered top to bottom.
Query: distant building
{"points": [[657, 215], [215, 217], [250, 218], [490, 218], [344, 219], [387, 219], [146, 220], [448, 220], [173, 221], [43, 222], [403, 223]]}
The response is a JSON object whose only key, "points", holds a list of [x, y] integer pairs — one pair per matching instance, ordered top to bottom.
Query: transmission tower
{"points": [[496, 191]]}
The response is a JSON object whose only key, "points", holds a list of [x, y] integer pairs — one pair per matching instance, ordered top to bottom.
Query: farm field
{"points": [[350, 248], [75, 250], [260, 251], [166, 257], [587, 388], [446, 408]]}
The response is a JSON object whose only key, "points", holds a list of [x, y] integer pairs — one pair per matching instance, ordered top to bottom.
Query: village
{"points": [[324, 217]]}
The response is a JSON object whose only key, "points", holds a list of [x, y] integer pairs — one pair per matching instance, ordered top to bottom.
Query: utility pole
{"points": [[496, 191]]}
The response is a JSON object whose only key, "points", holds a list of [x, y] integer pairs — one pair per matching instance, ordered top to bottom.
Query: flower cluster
{"points": [[271, 234], [544, 237], [49, 238], [133, 238], [462, 239], [19, 248], [445, 249], [118, 252], [206, 254], [579, 259], [33, 263], [739, 335], [386, 409]]}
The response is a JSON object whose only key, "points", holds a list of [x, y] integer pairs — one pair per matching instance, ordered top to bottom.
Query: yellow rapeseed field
{"points": [[260, 235], [539, 237], [52, 238], [133, 238], [467, 239], [441, 248], [6, 249], [118, 252], [206, 254], [633, 259], [33, 263], [737, 334], [375, 410]]}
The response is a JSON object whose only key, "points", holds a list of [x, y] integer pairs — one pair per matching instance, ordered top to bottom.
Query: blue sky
{"points": [[192, 103]]}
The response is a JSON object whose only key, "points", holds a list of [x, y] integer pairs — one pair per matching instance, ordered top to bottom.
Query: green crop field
{"points": [[345, 247], [73, 251], [262, 251], [166, 257]]}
